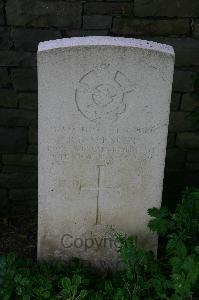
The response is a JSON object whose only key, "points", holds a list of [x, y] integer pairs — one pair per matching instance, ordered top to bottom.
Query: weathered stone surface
{"points": [[118, 8], [169, 8], [40, 13], [97, 22], [132, 26], [25, 37], [28, 39], [5, 40], [186, 50], [11, 58], [4, 77], [24, 79], [183, 81], [8, 98], [28, 101], [175, 101], [189, 102], [16, 117], [103, 118], [179, 121], [33, 135], [13, 140], [189, 140], [20, 159], [175, 159], [18, 178]]}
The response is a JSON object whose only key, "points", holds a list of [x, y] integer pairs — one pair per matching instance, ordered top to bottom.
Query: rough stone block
{"points": [[112, 1], [113, 8], [169, 8], [40, 13], [2, 20], [97, 22], [132, 26], [196, 29], [83, 32], [28, 39], [5, 40], [186, 50], [187, 53], [12, 58], [4, 78], [24, 79], [183, 81], [8, 98], [11, 99], [28, 101], [175, 101], [189, 102], [16, 117], [179, 121], [34, 123], [33, 135], [13, 140], [171, 140], [189, 140], [32, 149], [193, 156], [175, 158], [20, 159], [192, 166], [8, 169], [18, 178], [175, 183], [23, 196], [3, 199]]}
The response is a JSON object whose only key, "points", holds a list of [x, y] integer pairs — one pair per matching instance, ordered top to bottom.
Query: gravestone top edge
{"points": [[105, 41]]}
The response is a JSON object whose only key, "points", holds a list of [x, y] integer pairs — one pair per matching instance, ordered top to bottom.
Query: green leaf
{"points": [[176, 247], [11, 257], [77, 280], [66, 283], [19, 290], [83, 294], [26, 297]]}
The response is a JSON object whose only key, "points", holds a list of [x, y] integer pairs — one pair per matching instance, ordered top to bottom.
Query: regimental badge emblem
{"points": [[100, 94]]}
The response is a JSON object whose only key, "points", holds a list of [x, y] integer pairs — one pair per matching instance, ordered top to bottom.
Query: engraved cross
{"points": [[100, 191]]}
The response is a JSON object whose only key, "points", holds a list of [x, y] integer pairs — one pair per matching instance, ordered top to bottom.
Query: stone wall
{"points": [[24, 23]]}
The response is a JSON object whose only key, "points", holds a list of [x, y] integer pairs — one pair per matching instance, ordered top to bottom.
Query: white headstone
{"points": [[103, 120]]}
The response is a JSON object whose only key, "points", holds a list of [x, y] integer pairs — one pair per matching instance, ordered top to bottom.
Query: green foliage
{"points": [[181, 230], [174, 277]]}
